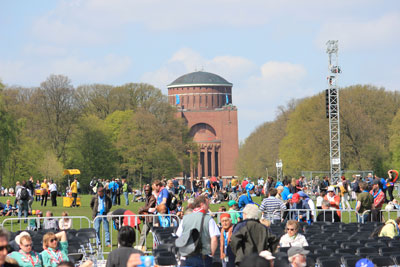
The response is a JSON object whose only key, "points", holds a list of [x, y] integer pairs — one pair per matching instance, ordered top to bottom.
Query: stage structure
{"points": [[204, 101], [332, 102], [279, 173]]}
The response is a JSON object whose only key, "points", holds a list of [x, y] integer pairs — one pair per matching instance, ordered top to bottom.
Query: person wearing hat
{"points": [[245, 198], [333, 199], [379, 199], [310, 203], [299, 208], [235, 215], [227, 256], [297, 256], [26, 257]]}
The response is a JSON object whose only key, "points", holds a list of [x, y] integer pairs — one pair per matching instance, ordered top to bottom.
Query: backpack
{"points": [[24, 194], [172, 201], [189, 243]]}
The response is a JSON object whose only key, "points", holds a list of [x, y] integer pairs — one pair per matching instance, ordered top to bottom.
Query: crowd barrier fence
{"points": [[135, 220], [18, 224]]}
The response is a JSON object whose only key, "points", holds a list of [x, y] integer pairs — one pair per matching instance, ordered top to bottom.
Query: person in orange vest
{"points": [[333, 199]]}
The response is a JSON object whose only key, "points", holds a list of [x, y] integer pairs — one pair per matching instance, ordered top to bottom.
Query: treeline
{"points": [[103, 130], [370, 135]]}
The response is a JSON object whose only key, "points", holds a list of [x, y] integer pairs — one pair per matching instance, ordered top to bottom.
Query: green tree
{"points": [[91, 150]]}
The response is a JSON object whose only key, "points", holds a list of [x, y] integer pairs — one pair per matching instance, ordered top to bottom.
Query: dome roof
{"points": [[199, 78]]}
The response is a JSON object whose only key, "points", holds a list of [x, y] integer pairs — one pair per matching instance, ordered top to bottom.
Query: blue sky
{"points": [[272, 51]]}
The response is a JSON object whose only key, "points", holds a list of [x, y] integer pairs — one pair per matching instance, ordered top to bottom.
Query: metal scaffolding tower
{"points": [[332, 95]]}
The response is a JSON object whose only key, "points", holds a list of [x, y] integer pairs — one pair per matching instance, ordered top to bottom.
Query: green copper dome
{"points": [[199, 78]]}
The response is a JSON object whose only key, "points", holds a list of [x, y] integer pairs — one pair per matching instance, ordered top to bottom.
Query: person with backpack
{"points": [[23, 196], [198, 235]]}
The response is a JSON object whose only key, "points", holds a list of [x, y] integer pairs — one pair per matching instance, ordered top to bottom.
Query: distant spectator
{"points": [[45, 189], [74, 191], [53, 193], [23, 195], [333, 199], [379, 200], [364, 203], [101, 205], [271, 207], [8, 208], [148, 208], [233, 211], [326, 216], [50, 223], [65, 223], [126, 238], [293, 238]]}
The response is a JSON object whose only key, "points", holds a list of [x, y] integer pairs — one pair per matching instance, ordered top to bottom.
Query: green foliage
{"points": [[367, 113]]}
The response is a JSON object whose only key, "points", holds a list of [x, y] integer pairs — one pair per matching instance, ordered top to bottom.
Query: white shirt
{"points": [[53, 187], [298, 240]]}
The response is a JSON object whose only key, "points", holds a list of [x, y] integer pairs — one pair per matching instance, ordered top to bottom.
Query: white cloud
{"points": [[356, 34], [185, 60], [77, 69]]}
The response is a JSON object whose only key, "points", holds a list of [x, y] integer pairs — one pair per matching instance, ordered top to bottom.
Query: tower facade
{"points": [[204, 101]]}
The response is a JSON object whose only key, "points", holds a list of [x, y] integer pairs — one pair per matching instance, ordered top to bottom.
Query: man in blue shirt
{"points": [[161, 192], [286, 192], [101, 205]]}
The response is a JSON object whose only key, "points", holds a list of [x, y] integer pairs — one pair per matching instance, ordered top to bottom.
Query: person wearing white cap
{"points": [[333, 199], [297, 256], [26, 257]]}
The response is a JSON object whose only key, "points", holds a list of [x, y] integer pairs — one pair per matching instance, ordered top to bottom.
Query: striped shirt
{"points": [[270, 207]]}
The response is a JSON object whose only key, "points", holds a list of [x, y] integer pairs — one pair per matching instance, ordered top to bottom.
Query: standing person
{"points": [[390, 183], [324, 184], [112, 186], [17, 187], [31, 187], [37, 187], [170, 187], [45, 188], [125, 191], [74, 192], [118, 192], [160, 192], [344, 192], [53, 193], [23, 195], [333, 198], [379, 199], [364, 202], [101, 205], [271, 207], [148, 208], [209, 236], [250, 236], [55, 249], [227, 256], [26, 257], [119, 257]]}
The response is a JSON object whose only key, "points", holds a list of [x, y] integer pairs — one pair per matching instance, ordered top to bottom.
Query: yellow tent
{"points": [[71, 172]]}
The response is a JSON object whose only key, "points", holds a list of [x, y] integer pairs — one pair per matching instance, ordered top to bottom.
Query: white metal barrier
{"points": [[135, 220], [18, 224]]}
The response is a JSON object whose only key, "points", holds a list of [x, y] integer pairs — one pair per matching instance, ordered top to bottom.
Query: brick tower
{"points": [[204, 100]]}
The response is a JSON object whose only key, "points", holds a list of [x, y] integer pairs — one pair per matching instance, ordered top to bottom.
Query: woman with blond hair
{"points": [[292, 238], [55, 249]]}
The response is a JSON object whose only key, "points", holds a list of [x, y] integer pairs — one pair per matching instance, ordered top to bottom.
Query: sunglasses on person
{"points": [[290, 229], [53, 239], [27, 245], [6, 247]]}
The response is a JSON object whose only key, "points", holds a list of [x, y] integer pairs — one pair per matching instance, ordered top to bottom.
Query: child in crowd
{"points": [[179, 209], [233, 211], [163, 221]]}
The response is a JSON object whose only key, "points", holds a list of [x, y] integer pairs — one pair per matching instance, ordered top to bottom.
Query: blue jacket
{"points": [[285, 193]]}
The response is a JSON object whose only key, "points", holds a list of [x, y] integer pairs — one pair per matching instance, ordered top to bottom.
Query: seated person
{"points": [[7, 209], [326, 216], [163, 221], [35, 223], [50, 223], [65, 223], [293, 238], [55, 249]]}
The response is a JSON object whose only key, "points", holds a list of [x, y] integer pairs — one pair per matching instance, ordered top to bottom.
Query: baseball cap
{"points": [[249, 187], [331, 189], [302, 194], [290, 196], [295, 197], [231, 203], [18, 237], [297, 250], [364, 263]]}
